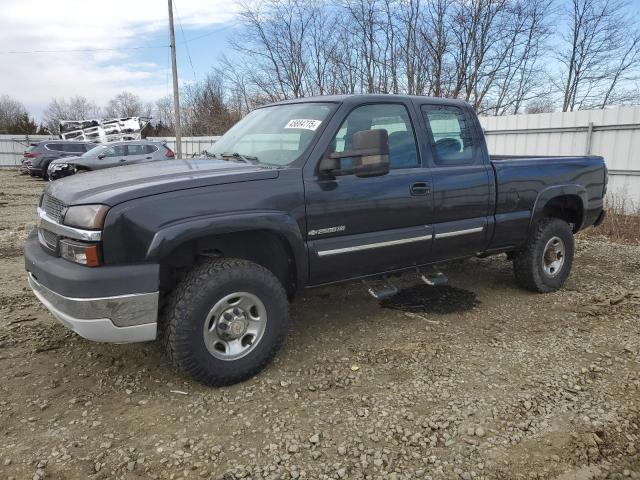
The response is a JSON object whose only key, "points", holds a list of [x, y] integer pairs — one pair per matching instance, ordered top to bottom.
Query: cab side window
{"points": [[390, 117], [452, 135]]}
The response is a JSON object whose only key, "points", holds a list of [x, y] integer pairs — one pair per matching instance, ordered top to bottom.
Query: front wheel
{"points": [[545, 262], [225, 321]]}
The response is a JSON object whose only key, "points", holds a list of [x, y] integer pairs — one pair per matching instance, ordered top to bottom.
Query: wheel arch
{"points": [[566, 202], [270, 239]]}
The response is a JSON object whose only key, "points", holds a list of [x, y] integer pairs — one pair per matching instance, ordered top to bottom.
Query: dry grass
{"points": [[622, 223]]}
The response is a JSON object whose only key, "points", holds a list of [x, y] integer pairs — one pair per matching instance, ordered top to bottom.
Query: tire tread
{"points": [[174, 335]]}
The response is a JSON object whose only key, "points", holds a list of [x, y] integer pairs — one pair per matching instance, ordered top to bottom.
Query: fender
{"points": [[549, 193], [172, 235]]}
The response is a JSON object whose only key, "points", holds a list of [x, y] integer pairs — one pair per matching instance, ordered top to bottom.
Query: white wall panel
{"points": [[615, 136]]}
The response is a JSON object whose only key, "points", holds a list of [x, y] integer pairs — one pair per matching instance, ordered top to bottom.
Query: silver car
{"points": [[107, 155]]}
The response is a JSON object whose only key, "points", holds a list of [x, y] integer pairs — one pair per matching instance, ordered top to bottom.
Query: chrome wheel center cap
{"points": [[233, 323]]}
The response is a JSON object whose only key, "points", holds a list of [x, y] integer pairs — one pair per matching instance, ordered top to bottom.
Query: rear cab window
{"points": [[452, 135]]}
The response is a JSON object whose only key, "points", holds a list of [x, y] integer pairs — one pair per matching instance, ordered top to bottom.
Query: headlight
{"points": [[54, 167], [86, 216], [83, 253]]}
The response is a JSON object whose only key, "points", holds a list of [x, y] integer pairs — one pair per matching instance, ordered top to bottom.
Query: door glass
{"points": [[390, 117], [451, 135], [74, 147], [150, 148], [136, 149], [116, 151]]}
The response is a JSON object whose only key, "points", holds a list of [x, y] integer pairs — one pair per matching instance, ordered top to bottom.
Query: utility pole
{"points": [[174, 71]]}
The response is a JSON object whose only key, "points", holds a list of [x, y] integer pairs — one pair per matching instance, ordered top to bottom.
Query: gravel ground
{"points": [[485, 382]]}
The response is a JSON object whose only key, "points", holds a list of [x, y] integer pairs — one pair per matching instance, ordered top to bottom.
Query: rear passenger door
{"points": [[137, 153], [462, 182]]}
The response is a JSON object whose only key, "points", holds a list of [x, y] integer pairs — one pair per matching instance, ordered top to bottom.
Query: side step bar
{"points": [[381, 287]]}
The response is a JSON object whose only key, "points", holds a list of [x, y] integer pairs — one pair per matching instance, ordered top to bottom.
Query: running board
{"points": [[435, 278], [381, 289]]}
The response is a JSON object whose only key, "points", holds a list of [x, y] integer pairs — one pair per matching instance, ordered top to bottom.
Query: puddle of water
{"points": [[428, 299]]}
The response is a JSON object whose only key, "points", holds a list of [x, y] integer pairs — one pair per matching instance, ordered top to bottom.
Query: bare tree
{"points": [[599, 53], [126, 104], [204, 107], [76, 108], [11, 110]]}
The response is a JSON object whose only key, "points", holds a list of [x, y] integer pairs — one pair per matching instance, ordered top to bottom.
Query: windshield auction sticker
{"points": [[303, 123]]}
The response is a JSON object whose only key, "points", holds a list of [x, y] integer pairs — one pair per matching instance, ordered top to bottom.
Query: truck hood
{"points": [[119, 184]]}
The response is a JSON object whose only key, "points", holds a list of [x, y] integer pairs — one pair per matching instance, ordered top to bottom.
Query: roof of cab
{"points": [[358, 98]]}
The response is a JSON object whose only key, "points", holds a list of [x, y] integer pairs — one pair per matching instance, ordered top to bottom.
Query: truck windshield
{"points": [[274, 135]]}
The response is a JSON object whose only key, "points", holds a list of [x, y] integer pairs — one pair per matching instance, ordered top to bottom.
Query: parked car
{"points": [[112, 154], [39, 155], [303, 193]]}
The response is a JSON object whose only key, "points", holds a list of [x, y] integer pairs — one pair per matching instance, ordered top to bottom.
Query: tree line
{"points": [[501, 56]]}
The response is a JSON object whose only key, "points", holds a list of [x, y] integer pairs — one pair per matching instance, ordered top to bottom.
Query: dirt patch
{"points": [[429, 299], [479, 380]]}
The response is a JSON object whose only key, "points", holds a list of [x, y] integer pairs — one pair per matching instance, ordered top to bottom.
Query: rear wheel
{"points": [[545, 262], [225, 321]]}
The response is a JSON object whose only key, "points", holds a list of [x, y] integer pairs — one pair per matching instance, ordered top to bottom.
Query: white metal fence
{"points": [[613, 133], [190, 145], [13, 146]]}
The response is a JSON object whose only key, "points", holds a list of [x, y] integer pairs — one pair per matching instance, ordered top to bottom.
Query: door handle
{"points": [[148, 158], [123, 160], [420, 188]]}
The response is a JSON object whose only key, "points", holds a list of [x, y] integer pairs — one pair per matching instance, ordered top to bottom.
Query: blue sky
{"points": [[36, 25], [118, 28]]}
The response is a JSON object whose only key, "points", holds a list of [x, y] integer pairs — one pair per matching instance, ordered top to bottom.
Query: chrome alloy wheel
{"points": [[553, 256], [234, 326]]}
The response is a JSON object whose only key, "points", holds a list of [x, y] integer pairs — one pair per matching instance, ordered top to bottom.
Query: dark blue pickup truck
{"points": [[205, 255]]}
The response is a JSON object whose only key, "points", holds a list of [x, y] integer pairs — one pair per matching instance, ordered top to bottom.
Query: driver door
{"points": [[360, 226]]}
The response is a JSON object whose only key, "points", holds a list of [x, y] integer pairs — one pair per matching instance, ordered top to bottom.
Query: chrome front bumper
{"points": [[118, 319]]}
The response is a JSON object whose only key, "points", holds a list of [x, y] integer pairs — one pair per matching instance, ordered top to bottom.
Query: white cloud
{"points": [[73, 24]]}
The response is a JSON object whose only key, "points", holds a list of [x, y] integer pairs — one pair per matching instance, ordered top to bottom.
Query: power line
{"points": [[212, 32], [185, 43], [117, 49], [83, 50]]}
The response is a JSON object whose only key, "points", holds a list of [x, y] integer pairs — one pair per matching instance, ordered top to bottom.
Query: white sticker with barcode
{"points": [[303, 123]]}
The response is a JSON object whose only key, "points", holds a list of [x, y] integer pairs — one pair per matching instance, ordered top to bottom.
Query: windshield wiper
{"points": [[245, 158]]}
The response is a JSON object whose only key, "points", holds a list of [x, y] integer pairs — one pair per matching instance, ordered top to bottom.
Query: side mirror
{"points": [[370, 154], [101, 156]]}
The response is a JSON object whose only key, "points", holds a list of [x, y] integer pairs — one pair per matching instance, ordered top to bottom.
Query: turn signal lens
{"points": [[78, 252]]}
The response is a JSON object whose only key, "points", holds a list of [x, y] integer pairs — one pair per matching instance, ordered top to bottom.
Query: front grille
{"points": [[53, 207], [48, 239]]}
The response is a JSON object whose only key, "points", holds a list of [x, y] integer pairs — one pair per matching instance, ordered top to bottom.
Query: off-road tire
{"points": [[527, 263], [184, 314]]}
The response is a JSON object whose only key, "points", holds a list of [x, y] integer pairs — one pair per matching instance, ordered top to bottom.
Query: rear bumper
{"points": [[107, 304], [92, 318]]}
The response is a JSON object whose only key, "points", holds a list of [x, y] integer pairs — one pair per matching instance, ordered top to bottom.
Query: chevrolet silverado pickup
{"points": [[205, 255]]}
